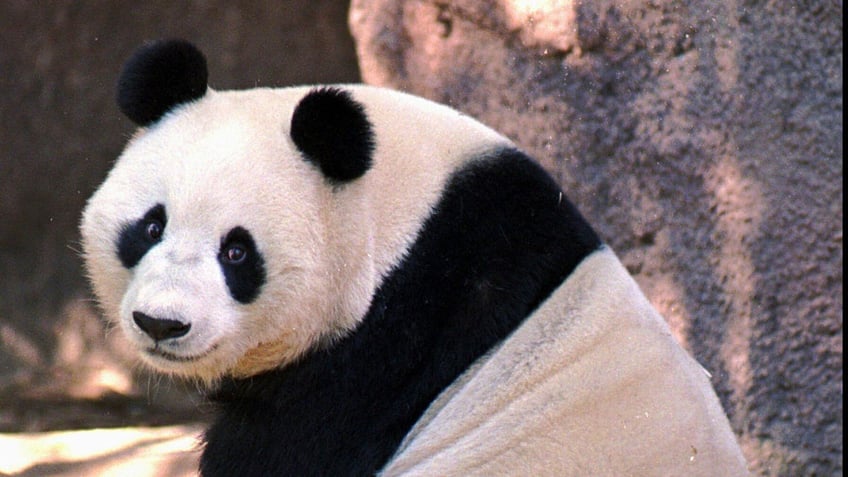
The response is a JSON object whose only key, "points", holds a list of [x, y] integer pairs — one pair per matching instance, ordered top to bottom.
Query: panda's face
{"points": [[206, 240]]}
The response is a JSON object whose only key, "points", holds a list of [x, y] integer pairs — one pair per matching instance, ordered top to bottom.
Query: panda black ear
{"points": [[160, 76], [333, 132]]}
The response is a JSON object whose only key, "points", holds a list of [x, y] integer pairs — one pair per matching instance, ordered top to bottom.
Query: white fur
{"points": [[227, 160], [593, 383]]}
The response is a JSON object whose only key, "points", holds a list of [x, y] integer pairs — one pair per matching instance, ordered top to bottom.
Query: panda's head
{"points": [[240, 229], [208, 242]]}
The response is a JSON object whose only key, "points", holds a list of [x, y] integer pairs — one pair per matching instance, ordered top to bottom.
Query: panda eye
{"points": [[153, 230], [234, 254]]}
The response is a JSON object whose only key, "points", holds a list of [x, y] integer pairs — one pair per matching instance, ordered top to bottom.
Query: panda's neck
{"points": [[500, 240]]}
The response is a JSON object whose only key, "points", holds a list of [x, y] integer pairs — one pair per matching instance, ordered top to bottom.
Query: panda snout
{"points": [[160, 328]]}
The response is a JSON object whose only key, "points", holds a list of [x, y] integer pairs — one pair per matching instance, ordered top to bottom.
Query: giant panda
{"points": [[369, 283]]}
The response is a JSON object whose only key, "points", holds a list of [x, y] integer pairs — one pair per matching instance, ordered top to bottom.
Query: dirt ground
{"points": [[52, 434], [138, 451]]}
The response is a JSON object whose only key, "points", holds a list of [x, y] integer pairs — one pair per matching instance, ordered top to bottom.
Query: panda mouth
{"points": [[169, 356]]}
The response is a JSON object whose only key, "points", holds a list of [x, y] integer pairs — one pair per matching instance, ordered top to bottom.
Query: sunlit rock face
{"points": [[704, 141]]}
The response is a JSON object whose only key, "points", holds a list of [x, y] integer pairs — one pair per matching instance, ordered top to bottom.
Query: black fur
{"points": [[160, 76], [333, 132], [502, 238], [134, 240], [244, 279]]}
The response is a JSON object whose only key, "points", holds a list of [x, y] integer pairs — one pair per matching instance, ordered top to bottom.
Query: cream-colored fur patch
{"points": [[593, 383]]}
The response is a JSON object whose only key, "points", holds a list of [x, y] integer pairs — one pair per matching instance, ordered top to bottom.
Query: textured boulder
{"points": [[704, 141]]}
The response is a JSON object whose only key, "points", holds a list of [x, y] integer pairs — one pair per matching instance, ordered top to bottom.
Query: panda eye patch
{"points": [[138, 237], [242, 265]]}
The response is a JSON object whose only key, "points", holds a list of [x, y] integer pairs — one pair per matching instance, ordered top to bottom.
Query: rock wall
{"points": [[704, 140]]}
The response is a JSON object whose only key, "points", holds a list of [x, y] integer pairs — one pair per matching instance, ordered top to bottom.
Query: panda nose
{"points": [[160, 328]]}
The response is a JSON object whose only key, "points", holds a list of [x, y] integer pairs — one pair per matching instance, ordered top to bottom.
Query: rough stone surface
{"points": [[60, 131], [704, 140]]}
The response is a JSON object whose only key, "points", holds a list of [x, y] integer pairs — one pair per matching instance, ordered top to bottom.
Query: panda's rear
{"points": [[330, 261]]}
